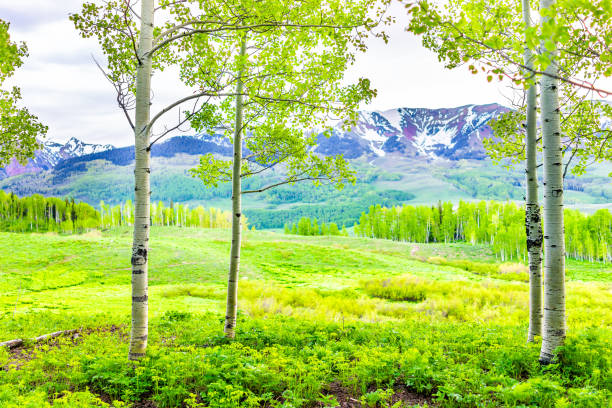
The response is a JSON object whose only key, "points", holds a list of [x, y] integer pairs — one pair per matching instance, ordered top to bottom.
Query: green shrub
{"points": [[401, 289]]}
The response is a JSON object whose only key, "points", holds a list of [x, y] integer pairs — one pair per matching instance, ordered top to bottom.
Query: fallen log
{"points": [[11, 344]]}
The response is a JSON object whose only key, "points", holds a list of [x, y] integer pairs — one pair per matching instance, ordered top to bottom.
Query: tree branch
{"points": [[227, 27], [287, 181]]}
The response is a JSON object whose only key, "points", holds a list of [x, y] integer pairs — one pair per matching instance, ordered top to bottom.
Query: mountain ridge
{"points": [[445, 133], [449, 133], [51, 154]]}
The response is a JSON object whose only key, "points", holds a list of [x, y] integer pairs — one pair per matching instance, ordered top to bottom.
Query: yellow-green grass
{"points": [[446, 322]]}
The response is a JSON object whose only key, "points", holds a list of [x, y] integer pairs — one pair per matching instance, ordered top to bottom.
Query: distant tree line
{"points": [[37, 213], [41, 214], [176, 215], [500, 225], [306, 226]]}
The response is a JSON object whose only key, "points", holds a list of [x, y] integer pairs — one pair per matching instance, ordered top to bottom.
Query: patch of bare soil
{"points": [[411, 398], [347, 399], [140, 404], [144, 404]]}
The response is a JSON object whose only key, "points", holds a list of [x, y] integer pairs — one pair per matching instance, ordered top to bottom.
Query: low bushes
{"points": [[285, 362]]}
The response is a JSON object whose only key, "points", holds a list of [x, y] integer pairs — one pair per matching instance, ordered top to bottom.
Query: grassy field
{"points": [[323, 322]]}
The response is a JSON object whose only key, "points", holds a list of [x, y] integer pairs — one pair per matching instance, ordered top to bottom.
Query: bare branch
{"points": [[120, 95], [183, 100], [287, 181]]}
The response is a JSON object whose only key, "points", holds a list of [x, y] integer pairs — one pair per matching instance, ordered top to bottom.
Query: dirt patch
{"points": [[411, 398], [347, 399], [109, 400], [144, 404]]}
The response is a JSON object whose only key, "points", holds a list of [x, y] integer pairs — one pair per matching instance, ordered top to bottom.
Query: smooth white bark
{"points": [[142, 190], [533, 224], [232, 281], [553, 325]]}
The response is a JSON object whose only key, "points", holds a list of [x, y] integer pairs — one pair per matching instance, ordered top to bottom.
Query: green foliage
{"points": [[491, 37], [287, 81], [19, 129], [585, 141], [40, 214], [177, 215], [497, 224], [306, 226], [405, 290], [282, 362], [378, 398]]}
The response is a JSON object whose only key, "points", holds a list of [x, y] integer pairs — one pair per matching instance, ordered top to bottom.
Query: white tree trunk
{"points": [[142, 190], [533, 223], [232, 281], [553, 330]]}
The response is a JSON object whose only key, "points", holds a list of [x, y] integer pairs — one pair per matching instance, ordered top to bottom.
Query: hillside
{"points": [[323, 322]]}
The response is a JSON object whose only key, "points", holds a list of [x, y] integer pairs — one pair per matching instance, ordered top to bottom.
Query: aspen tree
{"points": [[287, 80], [533, 225], [234, 264], [553, 325]]}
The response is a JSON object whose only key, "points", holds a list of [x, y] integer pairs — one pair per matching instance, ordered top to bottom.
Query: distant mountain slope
{"points": [[453, 134], [51, 154], [123, 156]]}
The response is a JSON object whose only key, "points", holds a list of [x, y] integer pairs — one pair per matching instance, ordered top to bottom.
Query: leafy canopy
{"points": [[490, 38], [292, 80], [19, 129]]}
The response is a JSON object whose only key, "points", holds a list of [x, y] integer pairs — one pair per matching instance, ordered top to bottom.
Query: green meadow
{"points": [[323, 322]]}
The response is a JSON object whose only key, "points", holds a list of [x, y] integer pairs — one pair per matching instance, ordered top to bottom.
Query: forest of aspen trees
{"points": [[42, 214], [176, 215], [500, 225], [306, 226]]}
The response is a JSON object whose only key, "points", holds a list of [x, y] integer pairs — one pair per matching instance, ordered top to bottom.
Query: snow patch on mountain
{"points": [[451, 133], [55, 152], [50, 154]]}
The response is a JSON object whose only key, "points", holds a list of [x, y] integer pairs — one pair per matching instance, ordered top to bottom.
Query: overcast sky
{"points": [[61, 84]]}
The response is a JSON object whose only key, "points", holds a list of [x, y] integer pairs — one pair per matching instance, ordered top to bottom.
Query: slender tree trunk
{"points": [[142, 190], [533, 224], [232, 281], [553, 330]]}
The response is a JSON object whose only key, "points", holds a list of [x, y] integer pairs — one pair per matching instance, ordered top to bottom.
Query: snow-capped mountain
{"points": [[453, 133], [54, 152], [51, 154]]}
